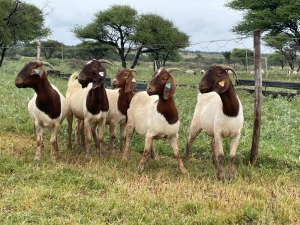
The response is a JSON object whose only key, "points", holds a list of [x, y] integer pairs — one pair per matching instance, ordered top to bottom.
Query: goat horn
{"points": [[106, 61], [43, 63], [230, 68], [132, 70], [170, 70]]}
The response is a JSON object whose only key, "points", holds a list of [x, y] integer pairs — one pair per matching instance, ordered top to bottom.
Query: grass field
{"points": [[106, 190]]}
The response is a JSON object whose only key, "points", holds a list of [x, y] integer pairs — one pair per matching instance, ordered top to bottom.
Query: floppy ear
{"points": [[38, 71], [98, 80], [130, 84], [221, 86], [169, 88]]}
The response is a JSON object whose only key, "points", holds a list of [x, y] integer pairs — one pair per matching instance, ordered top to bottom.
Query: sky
{"points": [[207, 22]]}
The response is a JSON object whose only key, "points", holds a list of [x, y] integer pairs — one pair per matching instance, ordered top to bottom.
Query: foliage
{"points": [[273, 17], [19, 22], [114, 27], [122, 28], [160, 37], [285, 46], [48, 48], [93, 50], [244, 55], [227, 56], [277, 59]]}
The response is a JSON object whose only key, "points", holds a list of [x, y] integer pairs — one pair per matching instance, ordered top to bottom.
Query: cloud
{"points": [[201, 20]]}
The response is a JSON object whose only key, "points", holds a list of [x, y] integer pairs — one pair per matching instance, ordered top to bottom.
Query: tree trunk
{"points": [[2, 55], [136, 58]]}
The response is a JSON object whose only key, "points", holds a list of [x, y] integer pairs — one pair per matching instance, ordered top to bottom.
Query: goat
{"points": [[192, 72], [119, 101], [88, 103], [47, 108], [153, 114], [219, 114]]}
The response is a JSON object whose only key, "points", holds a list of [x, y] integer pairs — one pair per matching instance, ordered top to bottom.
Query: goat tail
{"points": [[72, 78]]}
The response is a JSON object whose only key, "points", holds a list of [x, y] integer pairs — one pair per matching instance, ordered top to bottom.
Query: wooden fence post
{"points": [[38, 51], [258, 97]]}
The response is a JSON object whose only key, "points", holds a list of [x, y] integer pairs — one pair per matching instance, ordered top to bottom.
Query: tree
{"points": [[272, 16], [19, 22], [113, 27], [122, 28], [159, 37], [285, 46], [49, 47], [94, 50], [244, 55], [227, 56], [277, 59]]}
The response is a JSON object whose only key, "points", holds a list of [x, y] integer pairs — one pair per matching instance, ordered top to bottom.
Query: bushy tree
{"points": [[273, 17], [19, 23], [113, 27], [122, 28], [160, 37], [285, 46], [93, 50], [244, 55], [227, 56], [277, 59]]}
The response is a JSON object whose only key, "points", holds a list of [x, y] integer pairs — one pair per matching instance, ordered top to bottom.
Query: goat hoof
{"points": [[37, 158], [53, 158], [141, 167], [184, 171], [221, 176]]}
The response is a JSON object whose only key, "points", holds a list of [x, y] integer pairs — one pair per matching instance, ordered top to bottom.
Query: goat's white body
{"points": [[76, 97], [143, 114], [114, 115], [209, 116], [41, 118]]}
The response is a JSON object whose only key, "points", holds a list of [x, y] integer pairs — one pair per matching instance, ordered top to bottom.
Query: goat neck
{"points": [[47, 100], [97, 100], [124, 100], [230, 101], [168, 109]]}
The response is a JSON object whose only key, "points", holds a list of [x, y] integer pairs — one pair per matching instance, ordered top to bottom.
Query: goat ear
{"points": [[38, 71], [130, 84], [221, 86], [169, 89]]}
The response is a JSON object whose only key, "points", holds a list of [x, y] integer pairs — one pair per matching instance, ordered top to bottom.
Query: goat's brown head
{"points": [[93, 72], [31, 74], [124, 79], [216, 79], [162, 83]]}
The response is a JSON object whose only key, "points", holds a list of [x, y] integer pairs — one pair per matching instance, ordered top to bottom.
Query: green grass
{"points": [[106, 190]]}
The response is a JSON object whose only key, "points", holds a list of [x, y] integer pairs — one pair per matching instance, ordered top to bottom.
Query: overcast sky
{"points": [[205, 21]]}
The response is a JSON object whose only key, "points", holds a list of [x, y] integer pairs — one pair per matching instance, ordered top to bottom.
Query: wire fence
{"points": [[198, 56]]}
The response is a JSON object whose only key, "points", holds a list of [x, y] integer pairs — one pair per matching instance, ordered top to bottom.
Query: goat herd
{"points": [[151, 113]]}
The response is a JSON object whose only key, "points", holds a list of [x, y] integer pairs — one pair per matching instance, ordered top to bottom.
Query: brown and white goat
{"points": [[87, 100], [119, 101], [47, 108], [153, 114], [219, 114]]}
